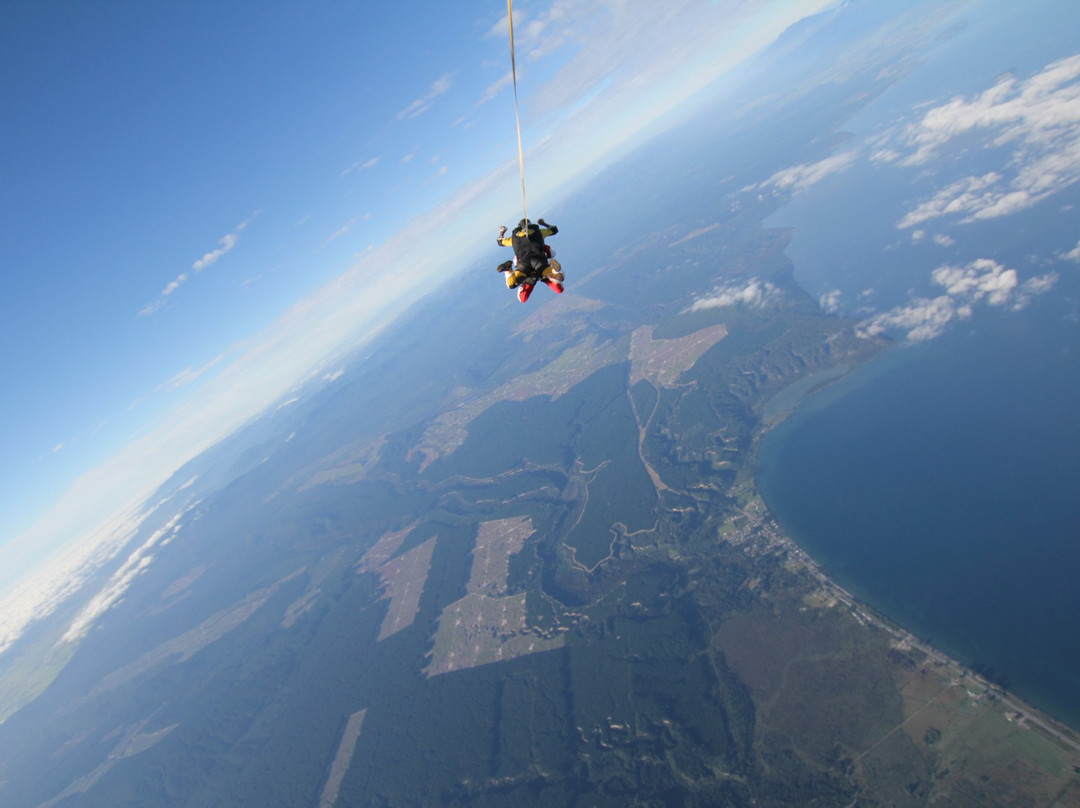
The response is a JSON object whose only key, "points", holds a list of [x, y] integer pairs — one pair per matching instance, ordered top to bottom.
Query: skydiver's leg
{"points": [[506, 267], [553, 271], [552, 277], [525, 291]]}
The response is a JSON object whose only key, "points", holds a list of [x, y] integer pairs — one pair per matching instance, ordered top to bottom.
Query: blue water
{"points": [[942, 485]]}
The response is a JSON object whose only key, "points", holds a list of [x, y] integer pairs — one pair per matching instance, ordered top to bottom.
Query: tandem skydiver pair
{"points": [[532, 262]]}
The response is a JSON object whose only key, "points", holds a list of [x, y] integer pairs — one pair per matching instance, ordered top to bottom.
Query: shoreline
{"points": [[747, 492], [762, 534]]}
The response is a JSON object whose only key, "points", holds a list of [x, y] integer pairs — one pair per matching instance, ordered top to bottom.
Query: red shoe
{"points": [[555, 286], [524, 291]]}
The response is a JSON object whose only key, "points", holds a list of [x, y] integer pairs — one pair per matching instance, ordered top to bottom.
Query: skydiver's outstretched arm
{"points": [[547, 229], [503, 240]]}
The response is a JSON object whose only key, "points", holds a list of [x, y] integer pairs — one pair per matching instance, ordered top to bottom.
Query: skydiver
{"points": [[532, 260]]}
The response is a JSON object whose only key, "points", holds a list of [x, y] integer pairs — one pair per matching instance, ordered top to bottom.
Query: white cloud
{"points": [[500, 29], [535, 37], [495, 88], [491, 92], [424, 102], [1037, 121], [885, 156], [361, 166], [801, 177], [962, 196], [341, 231], [944, 241], [226, 243], [1073, 254], [982, 278], [982, 281], [174, 285], [1034, 286], [753, 294], [830, 301], [150, 308], [923, 319], [189, 375], [183, 378], [65, 444], [57, 447], [120, 581], [37, 596]]}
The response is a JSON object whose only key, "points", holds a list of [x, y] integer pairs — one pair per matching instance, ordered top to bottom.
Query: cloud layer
{"points": [[121, 580]]}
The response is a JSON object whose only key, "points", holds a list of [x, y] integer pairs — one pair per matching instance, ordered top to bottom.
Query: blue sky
{"points": [[146, 134], [203, 204]]}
